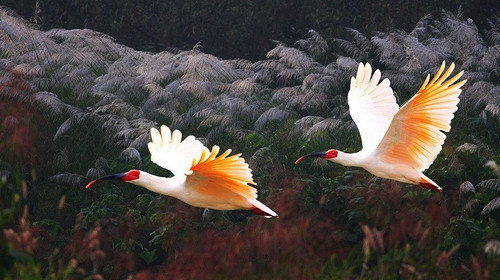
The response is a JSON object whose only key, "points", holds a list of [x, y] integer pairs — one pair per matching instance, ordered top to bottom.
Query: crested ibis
{"points": [[399, 143], [201, 178]]}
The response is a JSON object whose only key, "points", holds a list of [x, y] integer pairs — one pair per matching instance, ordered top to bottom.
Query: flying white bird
{"points": [[399, 144], [201, 178]]}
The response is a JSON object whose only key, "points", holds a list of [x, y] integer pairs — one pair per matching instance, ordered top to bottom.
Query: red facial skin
{"points": [[331, 154], [131, 175]]}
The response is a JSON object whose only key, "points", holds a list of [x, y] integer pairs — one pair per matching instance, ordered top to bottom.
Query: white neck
{"points": [[348, 159], [172, 186]]}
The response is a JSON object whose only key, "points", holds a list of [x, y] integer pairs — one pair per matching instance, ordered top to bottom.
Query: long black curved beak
{"points": [[318, 154], [118, 176]]}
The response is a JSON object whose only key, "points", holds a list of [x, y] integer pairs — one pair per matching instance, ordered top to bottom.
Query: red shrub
{"points": [[18, 119], [25, 239], [294, 246], [94, 250]]}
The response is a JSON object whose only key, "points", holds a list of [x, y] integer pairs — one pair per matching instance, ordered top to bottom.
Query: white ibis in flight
{"points": [[399, 143], [201, 178]]}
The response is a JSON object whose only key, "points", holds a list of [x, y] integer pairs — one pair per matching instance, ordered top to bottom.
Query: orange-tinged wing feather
{"points": [[414, 137], [225, 177]]}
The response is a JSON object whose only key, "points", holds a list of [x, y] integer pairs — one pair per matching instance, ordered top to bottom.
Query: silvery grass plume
{"points": [[315, 46], [83, 78], [493, 166], [485, 188], [492, 206], [492, 248]]}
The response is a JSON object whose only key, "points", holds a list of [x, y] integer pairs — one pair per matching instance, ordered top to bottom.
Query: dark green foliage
{"points": [[77, 105]]}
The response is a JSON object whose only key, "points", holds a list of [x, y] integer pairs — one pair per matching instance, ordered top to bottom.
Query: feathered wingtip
{"points": [[438, 79], [367, 82], [169, 151]]}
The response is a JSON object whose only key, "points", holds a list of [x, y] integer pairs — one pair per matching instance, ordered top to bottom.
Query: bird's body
{"points": [[399, 143], [378, 167], [201, 178], [190, 193]]}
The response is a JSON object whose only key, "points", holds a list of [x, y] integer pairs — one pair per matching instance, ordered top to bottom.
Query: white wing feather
{"points": [[371, 105], [168, 151]]}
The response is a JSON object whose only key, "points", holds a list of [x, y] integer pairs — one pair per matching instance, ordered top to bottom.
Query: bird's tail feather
{"points": [[427, 183], [260, 209]]}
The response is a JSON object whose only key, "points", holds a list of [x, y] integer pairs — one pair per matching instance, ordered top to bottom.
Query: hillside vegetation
{"points": [[76, 105]]}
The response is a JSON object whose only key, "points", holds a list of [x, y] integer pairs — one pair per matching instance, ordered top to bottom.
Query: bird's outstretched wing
{"points": [[371, 105], [414, 137], [168, 151], [223, 174], [227, 178]]}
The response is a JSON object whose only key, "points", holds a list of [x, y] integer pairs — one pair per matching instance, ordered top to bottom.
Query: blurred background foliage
{"points": [[76, 104]]}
